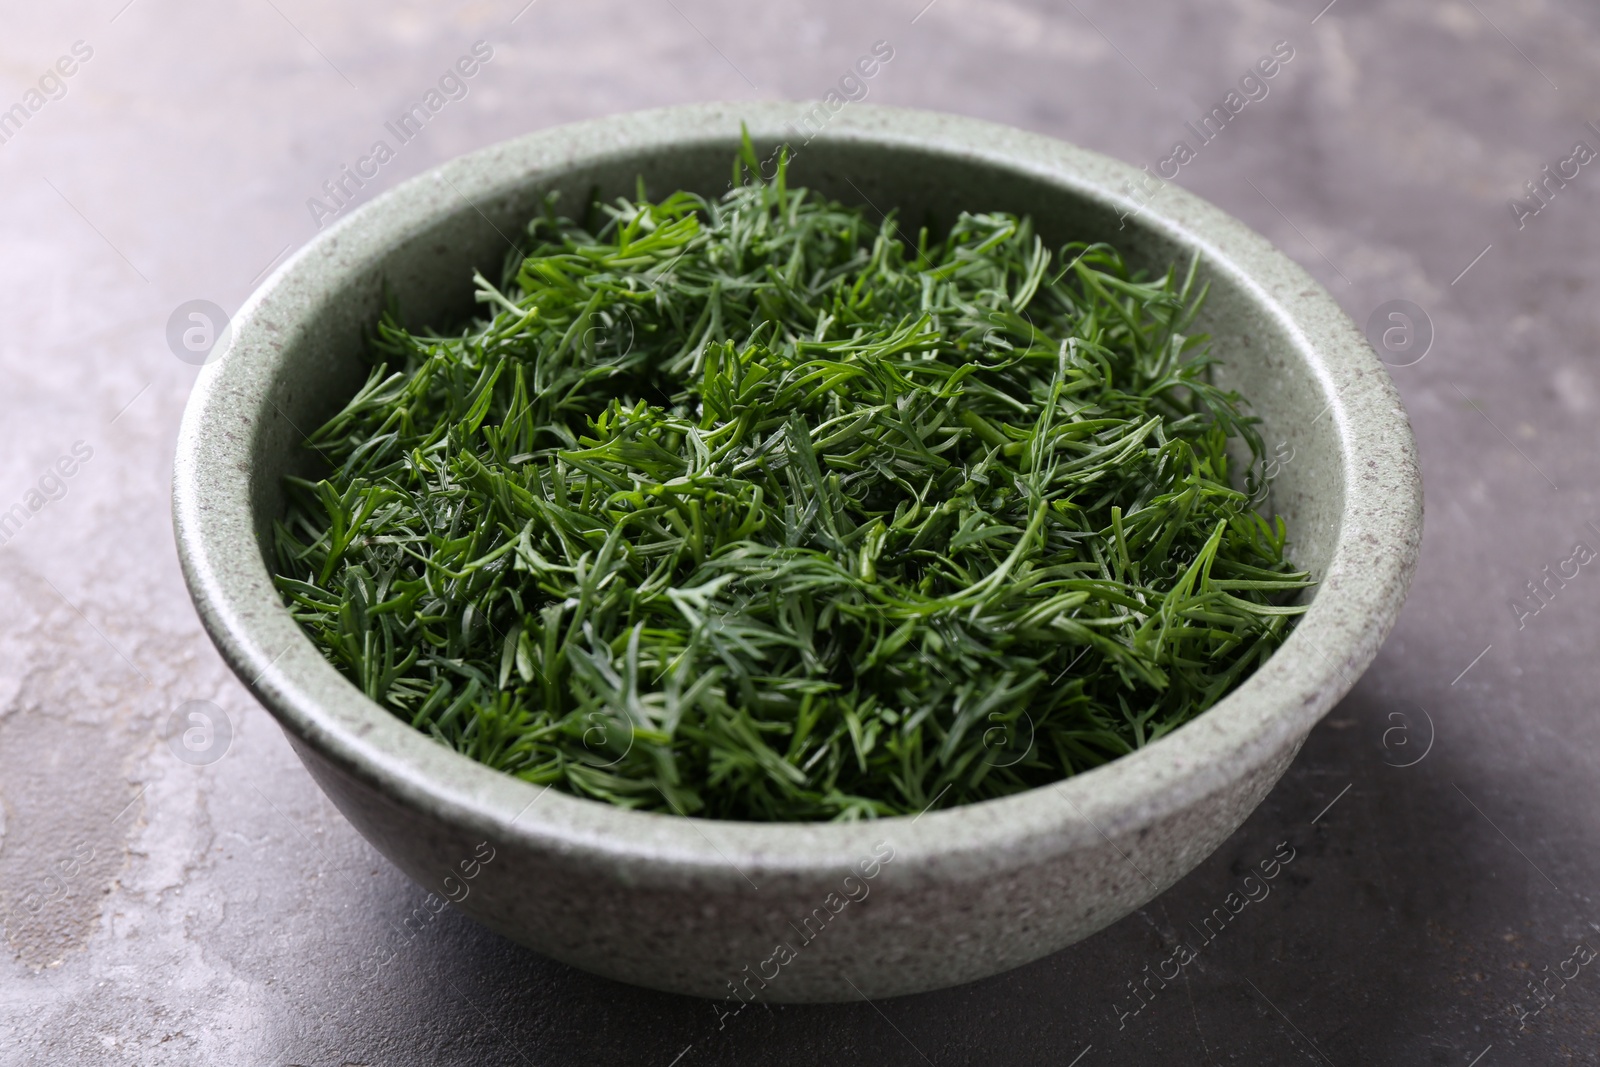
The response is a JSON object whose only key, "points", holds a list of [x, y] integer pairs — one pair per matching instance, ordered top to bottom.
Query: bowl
{"points": [[796, 912]]}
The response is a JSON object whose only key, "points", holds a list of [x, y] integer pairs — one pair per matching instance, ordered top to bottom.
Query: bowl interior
{"points": [[428, 270]]}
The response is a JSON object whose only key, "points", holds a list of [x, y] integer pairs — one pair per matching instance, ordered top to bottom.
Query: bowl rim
{"points": [[1360, 595]]}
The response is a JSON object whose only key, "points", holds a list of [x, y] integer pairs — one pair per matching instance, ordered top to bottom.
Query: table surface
{"points": [[1443, 817]]}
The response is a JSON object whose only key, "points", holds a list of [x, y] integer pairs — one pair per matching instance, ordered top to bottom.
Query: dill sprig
{"points": [[751, 508]]}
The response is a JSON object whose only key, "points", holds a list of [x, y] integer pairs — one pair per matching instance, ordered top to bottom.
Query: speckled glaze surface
{"points": [[797, 912]]}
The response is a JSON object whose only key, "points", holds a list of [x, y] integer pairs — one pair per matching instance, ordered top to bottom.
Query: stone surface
{"points": [[157, 910]]}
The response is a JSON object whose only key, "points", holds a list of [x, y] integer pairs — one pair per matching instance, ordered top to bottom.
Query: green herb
{"points": [[751, 509]]}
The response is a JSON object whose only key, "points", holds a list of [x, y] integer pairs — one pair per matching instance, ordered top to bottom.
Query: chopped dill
{"points": [[752, 508]]}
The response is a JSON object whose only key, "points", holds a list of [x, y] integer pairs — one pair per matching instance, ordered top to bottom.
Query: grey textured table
{"points": [[1442, 819]]}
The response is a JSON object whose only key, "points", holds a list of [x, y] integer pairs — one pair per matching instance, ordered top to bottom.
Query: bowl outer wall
{"points": [[671, 902]]}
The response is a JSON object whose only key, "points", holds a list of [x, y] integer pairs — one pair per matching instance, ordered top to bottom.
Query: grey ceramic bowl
{"points": [[797, 912]]}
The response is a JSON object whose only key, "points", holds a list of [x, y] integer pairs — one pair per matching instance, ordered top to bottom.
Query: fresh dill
{"points": [[753, 508]]}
